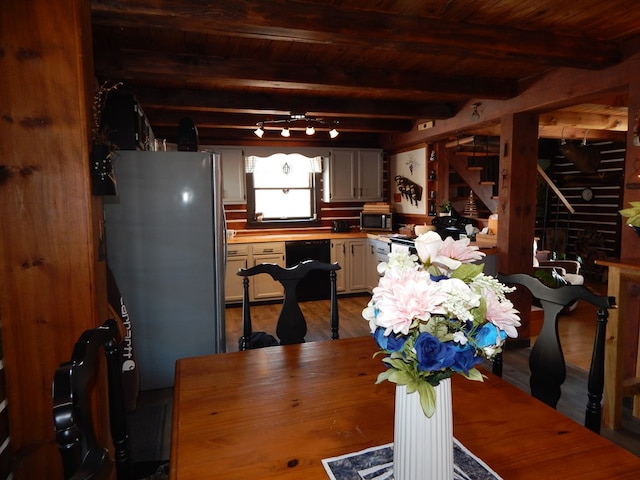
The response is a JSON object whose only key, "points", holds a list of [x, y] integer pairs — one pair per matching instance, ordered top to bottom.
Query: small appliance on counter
{"points": [[376, 217], [340, 226], [453, 226]]}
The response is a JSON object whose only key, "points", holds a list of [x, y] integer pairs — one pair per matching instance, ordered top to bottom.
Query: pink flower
{"points": [[460, 250], [404, 295], [502, 314]]}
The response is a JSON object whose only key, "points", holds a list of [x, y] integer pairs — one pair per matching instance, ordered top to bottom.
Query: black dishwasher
{"points": [[315, 286]]}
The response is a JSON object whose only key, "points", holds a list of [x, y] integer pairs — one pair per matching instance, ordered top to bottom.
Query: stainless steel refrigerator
{"points": [[166, 245]]}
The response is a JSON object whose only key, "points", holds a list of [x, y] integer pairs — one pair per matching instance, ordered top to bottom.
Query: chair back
{"points": [[291, 325], [546, 360], [82, 456]]}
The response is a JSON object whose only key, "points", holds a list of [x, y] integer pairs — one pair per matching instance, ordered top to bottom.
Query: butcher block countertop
{"points": [[284, 237]]}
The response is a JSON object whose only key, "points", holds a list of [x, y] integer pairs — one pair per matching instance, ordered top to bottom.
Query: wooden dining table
{"points": [[276, 413]]}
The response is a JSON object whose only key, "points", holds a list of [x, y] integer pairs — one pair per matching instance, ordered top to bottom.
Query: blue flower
{"points": [[437, 278], [489, 335], [389, 342], [432, 354], [465, 359]]}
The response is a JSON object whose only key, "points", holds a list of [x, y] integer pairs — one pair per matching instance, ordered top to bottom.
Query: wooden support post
{"points": [[517, 205]]}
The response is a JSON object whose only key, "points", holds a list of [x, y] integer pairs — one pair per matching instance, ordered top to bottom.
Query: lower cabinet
{"points": [[351, 255], [237, 258], [358, 259], [262, 286]]}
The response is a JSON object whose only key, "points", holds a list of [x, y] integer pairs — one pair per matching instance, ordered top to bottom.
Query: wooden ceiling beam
{"points": [[280, 20], [215, 72], [189, 100], [584, 120]]}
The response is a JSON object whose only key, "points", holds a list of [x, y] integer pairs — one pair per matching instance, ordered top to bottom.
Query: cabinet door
{"points": [[369, 175], [339, 176], [233, 177], [339, 254], [357, 266], [263, 286], [233, 290]]}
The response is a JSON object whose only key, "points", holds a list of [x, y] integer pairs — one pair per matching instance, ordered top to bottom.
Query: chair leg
{"points": [[335, 320], [245, 340], [497, 365], [593, 414]]}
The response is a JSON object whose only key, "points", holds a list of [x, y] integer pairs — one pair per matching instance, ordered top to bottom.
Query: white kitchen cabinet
{"points": [[369, 174], [353, 175], [233, 176], [339, 255], [351, 255], [237, 258], [357, 281], [263, 287]]}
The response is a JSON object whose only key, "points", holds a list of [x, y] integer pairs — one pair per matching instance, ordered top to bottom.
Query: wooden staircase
{"points": [[471, 178]]}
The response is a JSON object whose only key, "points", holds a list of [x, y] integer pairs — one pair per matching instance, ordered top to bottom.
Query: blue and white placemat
{"points": [[376, 463]]}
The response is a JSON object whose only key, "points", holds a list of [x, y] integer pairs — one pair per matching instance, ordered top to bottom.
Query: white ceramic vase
{"points": [[422, 446]]}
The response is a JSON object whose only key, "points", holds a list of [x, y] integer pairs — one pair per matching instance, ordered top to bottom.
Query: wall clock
{"points": [[587, 194]]}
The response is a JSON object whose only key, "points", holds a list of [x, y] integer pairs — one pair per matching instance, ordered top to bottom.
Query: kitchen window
{"points": [[283, 190]]}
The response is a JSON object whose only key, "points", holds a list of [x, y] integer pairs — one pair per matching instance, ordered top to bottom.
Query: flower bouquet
{"points": [[436, 314]]}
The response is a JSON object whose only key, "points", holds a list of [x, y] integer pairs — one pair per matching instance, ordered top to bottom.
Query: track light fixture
{"points": [[312, 123]]}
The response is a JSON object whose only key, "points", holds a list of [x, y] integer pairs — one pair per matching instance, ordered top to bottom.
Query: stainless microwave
{"points": [[376, 221]]}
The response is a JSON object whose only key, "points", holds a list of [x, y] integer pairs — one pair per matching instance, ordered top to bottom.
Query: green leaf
{"points": [[467, 271], [475, 375], [382, 376], [427, 398]]}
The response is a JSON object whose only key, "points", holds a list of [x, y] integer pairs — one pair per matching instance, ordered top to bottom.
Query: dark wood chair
{"points": [[291, 325], [546, 360], [82, 455]]}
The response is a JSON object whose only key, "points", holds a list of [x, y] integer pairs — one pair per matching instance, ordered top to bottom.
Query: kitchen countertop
{"points": [[325, 235], [281, 237]]}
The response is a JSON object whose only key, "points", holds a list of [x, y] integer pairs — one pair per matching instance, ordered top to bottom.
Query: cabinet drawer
{"points": [[268, 248], [237, 250]]}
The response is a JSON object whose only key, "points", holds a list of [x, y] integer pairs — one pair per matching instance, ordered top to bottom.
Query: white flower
{"points": [[428, 246], [399, 261], [460, 298], [460, 337]]}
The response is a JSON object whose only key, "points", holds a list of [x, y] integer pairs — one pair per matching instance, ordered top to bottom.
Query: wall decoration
{"points": [[410, 165], [409, 190]]}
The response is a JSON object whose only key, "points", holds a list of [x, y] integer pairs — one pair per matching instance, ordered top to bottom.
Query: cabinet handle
{"points": [[344, 249], [267, 250]]}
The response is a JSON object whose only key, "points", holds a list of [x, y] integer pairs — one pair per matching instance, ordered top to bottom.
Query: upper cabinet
{"points": [[353, 175], [233, 178]]}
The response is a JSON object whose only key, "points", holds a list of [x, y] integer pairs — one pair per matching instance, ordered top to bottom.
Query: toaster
{"points": [[340, 226]]}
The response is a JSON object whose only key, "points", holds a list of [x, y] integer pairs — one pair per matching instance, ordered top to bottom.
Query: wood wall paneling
{"points": [[592, 231], [49, 288]]}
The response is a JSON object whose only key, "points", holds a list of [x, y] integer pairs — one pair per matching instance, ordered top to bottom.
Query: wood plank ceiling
{"points": [[375, 67]]}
